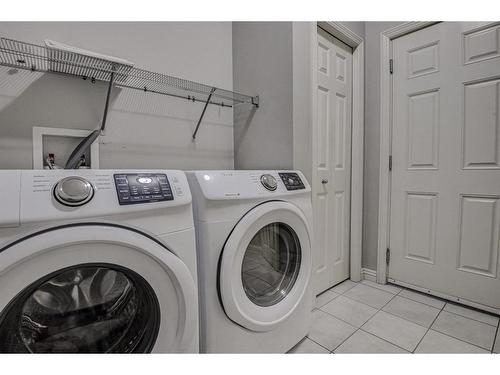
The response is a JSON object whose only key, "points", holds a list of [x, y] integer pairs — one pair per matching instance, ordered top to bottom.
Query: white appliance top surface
{"points": [[228, 184], [27, 195]]}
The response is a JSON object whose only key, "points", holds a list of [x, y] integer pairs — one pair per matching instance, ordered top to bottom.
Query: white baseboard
{"points": [[368, 274]]}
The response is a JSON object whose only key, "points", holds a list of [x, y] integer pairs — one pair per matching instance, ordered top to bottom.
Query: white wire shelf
{"points": [[27, 56]]}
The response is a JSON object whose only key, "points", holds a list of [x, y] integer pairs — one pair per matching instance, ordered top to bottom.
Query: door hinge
{"points": [[391, 66], [390, 162], [387, 256]]}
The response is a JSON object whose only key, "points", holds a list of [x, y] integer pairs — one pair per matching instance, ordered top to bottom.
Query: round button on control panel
{"points": [[269, 182], [73, 191]]}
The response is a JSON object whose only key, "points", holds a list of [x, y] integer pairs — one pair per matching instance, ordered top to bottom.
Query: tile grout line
{"points": [[369, 286], [383, 290], [345, 291], [425, 295], [326, 302], [373, 307], [319, 308], [441, 309], [379, 310], [451, 312], [468, 317], [342, 320], [418, 324], [359, 329], [428, 329], [453, 337], [347, 338], [381, 338], [456, 338], [495, 338], [459, 339], [324, 347]]}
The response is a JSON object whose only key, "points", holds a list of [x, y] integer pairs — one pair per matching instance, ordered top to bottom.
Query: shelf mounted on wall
{"points": [[116, 72]]}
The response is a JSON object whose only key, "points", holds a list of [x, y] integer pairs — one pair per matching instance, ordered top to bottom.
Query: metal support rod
{"points": [[255, 101], [106, 106], [203, 112]]}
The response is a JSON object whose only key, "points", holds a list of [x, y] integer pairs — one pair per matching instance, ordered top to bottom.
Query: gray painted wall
{"points": [[263, 57], [262, 64], [144, 130]]}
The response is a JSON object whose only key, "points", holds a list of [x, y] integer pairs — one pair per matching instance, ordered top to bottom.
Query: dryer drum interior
{"points": [[271, 264], [87, 308]]}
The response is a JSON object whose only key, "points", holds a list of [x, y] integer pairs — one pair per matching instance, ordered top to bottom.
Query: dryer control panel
{"points": [[292, 181], [268, 184], [142, 188]]}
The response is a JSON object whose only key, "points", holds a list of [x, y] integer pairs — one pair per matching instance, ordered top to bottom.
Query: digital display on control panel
{"points": [[292, 181], [142, 188]]}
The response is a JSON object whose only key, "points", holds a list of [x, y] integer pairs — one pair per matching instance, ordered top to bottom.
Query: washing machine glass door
{"points": [[265, 266], [94, 289]]}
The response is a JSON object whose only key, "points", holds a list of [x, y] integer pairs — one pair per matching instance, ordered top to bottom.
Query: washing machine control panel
{"points": [[292, 181], [135, 188]]}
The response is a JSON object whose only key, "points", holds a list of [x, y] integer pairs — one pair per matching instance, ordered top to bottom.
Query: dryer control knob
{"points": [[269, 182], [73, 191]]}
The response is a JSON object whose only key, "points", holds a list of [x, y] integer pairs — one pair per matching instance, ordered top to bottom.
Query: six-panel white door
{"points": [[332, 162], [445, 189]]}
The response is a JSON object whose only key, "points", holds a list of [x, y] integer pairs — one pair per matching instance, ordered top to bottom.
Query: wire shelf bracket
{"points": [[106, 104], [203, 112]]}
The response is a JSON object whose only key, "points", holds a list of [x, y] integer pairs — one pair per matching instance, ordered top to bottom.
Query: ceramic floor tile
{"points": [[343, 286], [385, 287], [371, 296], [325, 297], [422, 298], [350, 311], [413, 311], [471, 313], [465, 329], [329, 331], [400, 332], [435, 342], [365, 343], [307, 346], [496, 347]]}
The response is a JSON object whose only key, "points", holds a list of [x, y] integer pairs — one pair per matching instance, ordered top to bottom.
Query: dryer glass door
{"points": [[271, 264], [265, 266]]}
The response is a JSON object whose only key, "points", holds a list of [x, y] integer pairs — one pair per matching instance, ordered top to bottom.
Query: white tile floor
{"points": [[367, 317]]}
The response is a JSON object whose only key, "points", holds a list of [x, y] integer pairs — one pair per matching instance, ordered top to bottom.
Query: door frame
{"points": [[305, 38]]}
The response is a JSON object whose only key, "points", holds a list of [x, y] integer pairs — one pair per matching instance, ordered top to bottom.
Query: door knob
{"points": [[324, 181]]}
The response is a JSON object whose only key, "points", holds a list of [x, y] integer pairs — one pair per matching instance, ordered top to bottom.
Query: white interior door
{"points": [[332, 161], [445, 207]]}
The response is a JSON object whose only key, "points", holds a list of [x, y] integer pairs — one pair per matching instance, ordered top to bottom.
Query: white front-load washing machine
{"points": [[254, 259], [97, 261]]}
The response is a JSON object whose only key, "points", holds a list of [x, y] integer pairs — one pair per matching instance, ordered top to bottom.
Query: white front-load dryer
{"points": [[254, 259], [97, 261]]}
